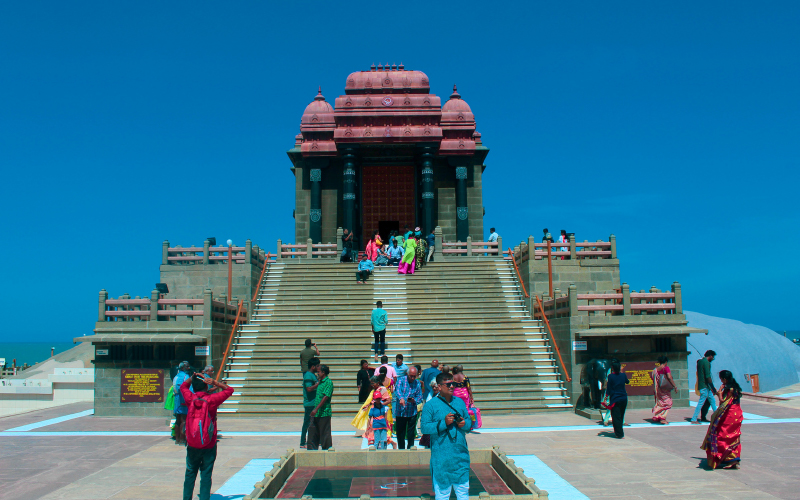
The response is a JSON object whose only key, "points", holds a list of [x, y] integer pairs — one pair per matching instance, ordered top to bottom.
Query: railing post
{"points": [[613, 240], [339, 243], [469, 246], [499, 246], [309, 248], [248, 251], [573, 251], [206, 252], [437, 252], [165, 253], [278, 257], [676, 289], [573, 299], [626, 299], [154, 305], [208, 306], [102, 309]]}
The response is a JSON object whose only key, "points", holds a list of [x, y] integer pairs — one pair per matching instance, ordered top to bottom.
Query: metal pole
{"points": [[550, 269], [230, 272]]}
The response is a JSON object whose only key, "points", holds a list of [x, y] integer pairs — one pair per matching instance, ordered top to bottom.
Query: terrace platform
{"points": [[65, 453]]}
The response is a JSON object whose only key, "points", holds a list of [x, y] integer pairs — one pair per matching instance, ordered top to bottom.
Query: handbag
{"points": [[663, 383], [169, 400], [475, 415]]}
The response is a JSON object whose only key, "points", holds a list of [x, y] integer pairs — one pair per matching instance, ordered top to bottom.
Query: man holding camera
{"points": [[405, 398], [446, 420]]}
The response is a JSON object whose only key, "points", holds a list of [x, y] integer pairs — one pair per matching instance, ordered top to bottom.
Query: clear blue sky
{"points": [[673, 125]]}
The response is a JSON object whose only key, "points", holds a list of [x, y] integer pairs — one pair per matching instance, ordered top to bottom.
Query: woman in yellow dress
{"points": [[381, 386]]}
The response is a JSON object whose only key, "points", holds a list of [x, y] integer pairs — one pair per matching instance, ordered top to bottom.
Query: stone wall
{"points": [[446, 201], [475, 204], [302, 206], [589, 275], [191, 281]]}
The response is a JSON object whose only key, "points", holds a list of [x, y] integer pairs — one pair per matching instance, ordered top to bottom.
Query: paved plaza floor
{"points": [[67, 453]]}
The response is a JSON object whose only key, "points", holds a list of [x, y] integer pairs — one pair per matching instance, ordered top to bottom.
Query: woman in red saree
{"points": [[663, 385], [722, 442]]}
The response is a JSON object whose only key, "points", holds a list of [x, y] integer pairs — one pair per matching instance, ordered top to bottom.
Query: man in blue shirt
{"points": [[493, 236], [431, 241], [395, 253], [365, 267], [379, 320], [400, 368], [428, 376], [407, 395], [181, 410]]}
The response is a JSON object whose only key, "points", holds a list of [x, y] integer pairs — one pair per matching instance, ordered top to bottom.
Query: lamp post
{"points": [[230, 269]]}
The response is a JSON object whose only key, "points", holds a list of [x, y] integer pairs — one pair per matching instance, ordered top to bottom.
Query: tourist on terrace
{"points": [[407, 233], [493, 235], [547, 236], [399, 238], [563, 239], [431, 241], [347, 246], [372, 246], [421, 251], [395, 253], [383, 255], [407, 263], [365, 268], [379, 319], [306, 354], [400, 368], [389, 369], [208, 371], [429, 375], [362, 381], [705, 383], [310, 384], [663, 385], [461, 386], [406, 396], [617, 396], [181, 410], [446, 420], [362, 421], [379, 424], [319, 432], [723, 438], [201, 447]]}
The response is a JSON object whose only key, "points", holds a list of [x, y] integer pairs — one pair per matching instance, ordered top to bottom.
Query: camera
{"points": [[457, 418]]}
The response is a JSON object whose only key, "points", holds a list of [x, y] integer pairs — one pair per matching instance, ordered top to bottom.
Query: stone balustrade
{"points": [[318, 250], [567, 251], [248, 254], [624, 302], [158, 308]]}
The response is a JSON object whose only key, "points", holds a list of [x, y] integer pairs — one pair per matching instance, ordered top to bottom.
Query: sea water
{"points": [[30, 352]]}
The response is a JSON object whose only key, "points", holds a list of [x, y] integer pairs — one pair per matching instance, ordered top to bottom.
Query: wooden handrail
{"points": [[511, 253], [261, 279], [553, 339], [230, 341]]}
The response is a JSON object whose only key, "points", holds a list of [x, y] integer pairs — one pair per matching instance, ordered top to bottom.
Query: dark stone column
{"points": [[349, 191], [427, 194], [462, 212], [315, 214]]}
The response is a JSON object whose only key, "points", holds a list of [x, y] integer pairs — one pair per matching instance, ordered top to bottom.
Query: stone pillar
{"points": [[427, 193], [349, 194], [462, 209], [315, 214], [613, 240], [339, 243], [206, 246], [469, 246], [499, 246], [309, 249], [573, 250], [248, 251], [165, 253], [438, 256], [278, 257], [676, 289], [573, 299], [626, 299], [154, 305], [208, 308], [102, 309]]}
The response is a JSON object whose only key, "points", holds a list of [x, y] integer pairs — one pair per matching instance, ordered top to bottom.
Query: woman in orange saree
{"points": [[663, 385], [722, 443]]}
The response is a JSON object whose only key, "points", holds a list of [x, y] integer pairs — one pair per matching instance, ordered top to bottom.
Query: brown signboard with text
{"points": [[640, 375], [140, 385]]}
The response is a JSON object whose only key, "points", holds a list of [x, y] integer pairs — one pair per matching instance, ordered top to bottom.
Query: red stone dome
{"points": [[389, 79], [456, 104], [318, 114]]}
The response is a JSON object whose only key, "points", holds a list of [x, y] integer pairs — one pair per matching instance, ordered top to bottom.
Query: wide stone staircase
{"points": [[469, 312]]}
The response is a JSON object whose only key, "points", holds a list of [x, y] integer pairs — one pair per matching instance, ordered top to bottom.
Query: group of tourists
{"points": [[408, 251], [394, 395], [722, 441]]}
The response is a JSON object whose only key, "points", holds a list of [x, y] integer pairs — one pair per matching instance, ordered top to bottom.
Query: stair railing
{"points": [[267, 262], [516, 268], [552, 338], [230, 340]]}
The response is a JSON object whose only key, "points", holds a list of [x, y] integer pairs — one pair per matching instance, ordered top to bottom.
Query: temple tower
{"points": [[385, 156]]}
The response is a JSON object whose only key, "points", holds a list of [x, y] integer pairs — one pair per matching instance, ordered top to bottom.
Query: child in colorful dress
{"points": [[379, 424]]}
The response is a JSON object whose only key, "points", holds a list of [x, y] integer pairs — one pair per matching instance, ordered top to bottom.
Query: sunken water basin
{"points": [[394, 473]]}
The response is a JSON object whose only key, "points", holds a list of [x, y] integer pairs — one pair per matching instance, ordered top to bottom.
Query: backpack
{"points": [[201, 429]]}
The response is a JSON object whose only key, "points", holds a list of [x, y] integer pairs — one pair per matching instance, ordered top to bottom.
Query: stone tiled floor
{"points": [[653, 462]]}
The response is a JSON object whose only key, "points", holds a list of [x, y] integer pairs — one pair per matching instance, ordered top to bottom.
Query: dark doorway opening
{"points": [[385, 227]]}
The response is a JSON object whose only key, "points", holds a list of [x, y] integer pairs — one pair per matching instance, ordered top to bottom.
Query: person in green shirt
{"points": [[379, 320], [311, 351], [705, 383], [310, 384], [319, 432]]}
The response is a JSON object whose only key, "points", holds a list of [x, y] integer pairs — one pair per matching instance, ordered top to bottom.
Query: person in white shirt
{"points": [[493, 236]]}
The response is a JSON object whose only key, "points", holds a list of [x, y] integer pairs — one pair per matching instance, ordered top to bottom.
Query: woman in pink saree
{"points": [[663, 385]]}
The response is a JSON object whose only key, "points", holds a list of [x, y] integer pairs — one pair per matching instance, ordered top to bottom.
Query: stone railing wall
{"points": [[157, 308]]}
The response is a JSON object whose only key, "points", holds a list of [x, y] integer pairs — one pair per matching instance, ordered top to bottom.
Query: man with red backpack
{"points": [[201, 431]]}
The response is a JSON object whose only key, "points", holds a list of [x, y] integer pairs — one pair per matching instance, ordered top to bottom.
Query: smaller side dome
{"points": [[456, 104], [318, 114]]}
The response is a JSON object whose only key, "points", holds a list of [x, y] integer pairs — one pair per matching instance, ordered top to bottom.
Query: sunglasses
{"points": [[449, 384]]}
